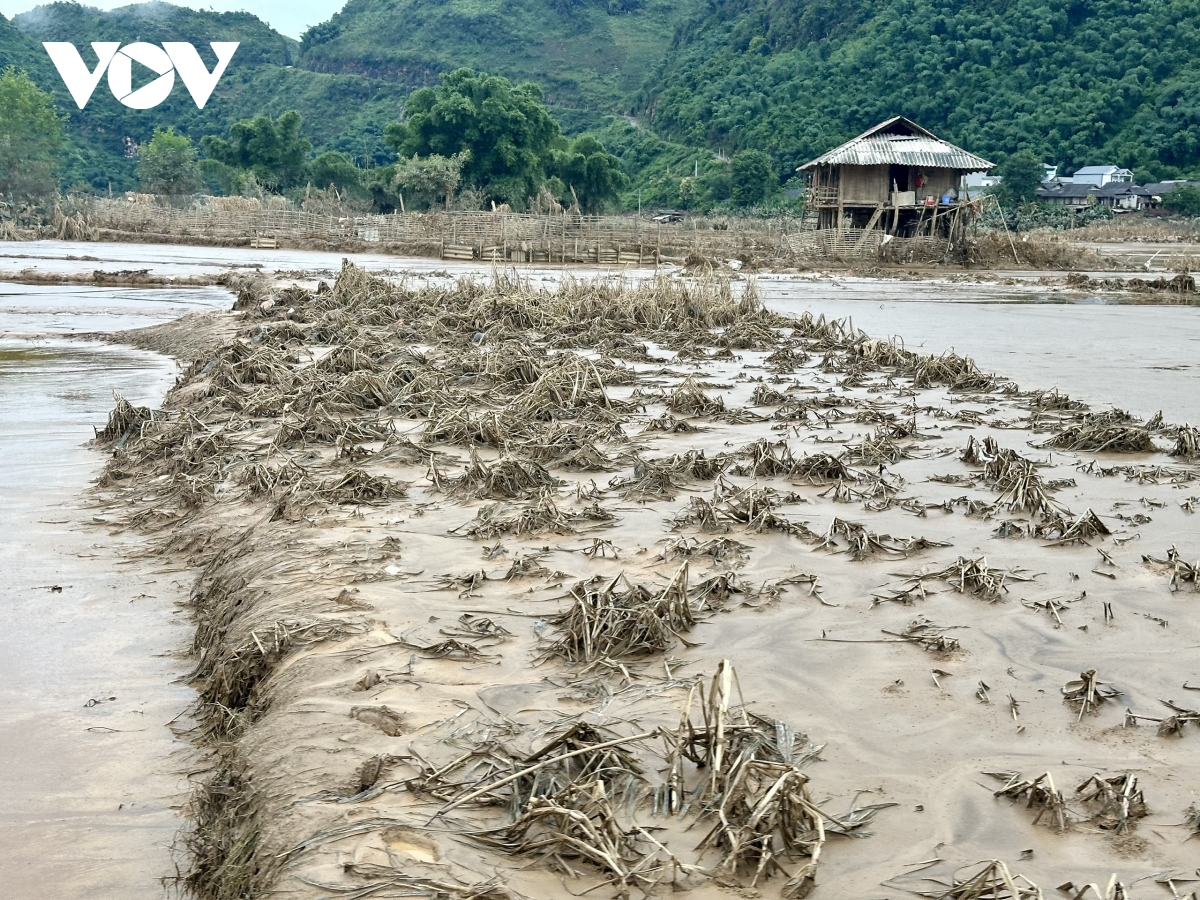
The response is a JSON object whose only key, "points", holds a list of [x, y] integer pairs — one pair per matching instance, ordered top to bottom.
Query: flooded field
{"points": [[1039, 333], [1140, 358], [403, 583], [90, 639]]}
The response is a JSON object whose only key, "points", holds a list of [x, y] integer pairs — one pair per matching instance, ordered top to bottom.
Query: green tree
{"points": [[505, 128], [30, 137], [275, 151], [167, 164], [336, 169], [593, 172], [1021, 175], [752, 177], [424, 181], [1184, 200]]}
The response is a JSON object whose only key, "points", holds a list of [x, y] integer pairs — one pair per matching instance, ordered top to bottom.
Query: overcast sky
{"points": [[291, 17]]}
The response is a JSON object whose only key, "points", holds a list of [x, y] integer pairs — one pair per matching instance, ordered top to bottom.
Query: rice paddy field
{"points": [[518, 584]]}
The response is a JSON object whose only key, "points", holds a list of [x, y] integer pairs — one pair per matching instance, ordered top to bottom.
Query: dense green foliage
{"points": [[588, 56], [1075, 81], [673, 88], [504, 128], [98, 134], [30, 137], [503, 142], [275, 151], [167, 164], [335, 170], [590, 173], [1022, 173], [752, 177], [428, 181], [1184, 200], [1029, 216]]}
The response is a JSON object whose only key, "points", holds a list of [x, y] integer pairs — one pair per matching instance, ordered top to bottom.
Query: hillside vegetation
{"points": [[588, 56], [1076, 81], [676, 88]]}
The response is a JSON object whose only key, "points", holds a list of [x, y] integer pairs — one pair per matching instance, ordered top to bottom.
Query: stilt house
{"points": [[896, 177]]}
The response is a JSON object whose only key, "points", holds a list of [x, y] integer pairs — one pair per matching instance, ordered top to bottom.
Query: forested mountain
{"points": [[588, 56], [350, 76], [1077, 81], [97, 133]]}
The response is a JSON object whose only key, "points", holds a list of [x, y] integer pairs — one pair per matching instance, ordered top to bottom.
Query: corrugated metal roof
{"points": [[902, 142], [901, 150]]}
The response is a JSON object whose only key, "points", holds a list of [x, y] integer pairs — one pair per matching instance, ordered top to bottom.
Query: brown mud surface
{"points": [[517, 592]]}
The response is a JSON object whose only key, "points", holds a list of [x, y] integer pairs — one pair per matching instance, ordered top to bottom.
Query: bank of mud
{"points": [[635, 586]]}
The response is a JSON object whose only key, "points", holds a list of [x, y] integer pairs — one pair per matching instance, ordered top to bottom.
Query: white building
{"points": [[1101, 175]]}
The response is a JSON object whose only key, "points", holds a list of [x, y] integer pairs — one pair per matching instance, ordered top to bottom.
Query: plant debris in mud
{"points": [[495, 390], [622, 620], [1088, 693]]}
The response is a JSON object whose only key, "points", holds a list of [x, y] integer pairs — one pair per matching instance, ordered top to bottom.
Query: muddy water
{"points": [[1091, 345], [1140, 358], [90, 771]]}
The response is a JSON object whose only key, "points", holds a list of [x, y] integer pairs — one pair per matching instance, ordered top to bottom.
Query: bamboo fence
{"points": [[489, 236]]}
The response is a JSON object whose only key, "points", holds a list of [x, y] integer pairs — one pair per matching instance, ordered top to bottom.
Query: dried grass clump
{"points": [[825, 333], [880, 353], [242, 366], [956, 372], [571, 387], [765, 396], [690, 400], [1053, 400], [124, 421], [670, 425], [321, 427], [462, 428], [1103, 439], [1187, 443], [879, 449], [767, 458], [820, 468], [510, 478], [1017, 478], [659, 479], [262, 480], [358, 486], [755, 508], [699, 513], [497, 519], [1065, 530], [862, 544], [1182, 571], [977, 577], [622, 620], [928, 636], [229, 674], [1088, 693], [752, 792], [1040, 794], [1117, 801], [579, 825], [222, 851], [993, 881]]}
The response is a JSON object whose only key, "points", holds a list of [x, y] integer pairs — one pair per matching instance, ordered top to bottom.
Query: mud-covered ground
{"points": [[742, 601]]}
